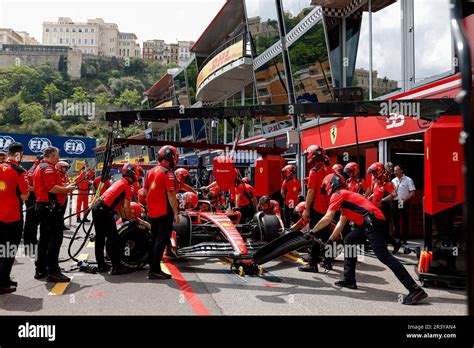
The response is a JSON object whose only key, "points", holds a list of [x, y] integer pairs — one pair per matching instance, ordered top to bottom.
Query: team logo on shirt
{"points": [[333, 133], [5, 141], [39, 144], [3, 186]]}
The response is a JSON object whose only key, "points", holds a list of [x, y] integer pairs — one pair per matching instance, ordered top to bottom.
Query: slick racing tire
{"points": [[270, 227], [183, 231], [134, 239]]}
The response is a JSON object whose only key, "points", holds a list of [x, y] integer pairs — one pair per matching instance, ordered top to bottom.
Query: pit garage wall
{"points": [[443, 154]]}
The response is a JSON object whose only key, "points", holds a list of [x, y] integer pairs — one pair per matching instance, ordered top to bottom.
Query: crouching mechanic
{"points": [[116, 198], [162, 206], [269, 206], [369, 223]]}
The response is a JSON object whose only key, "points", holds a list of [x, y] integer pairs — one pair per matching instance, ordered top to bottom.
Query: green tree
{"points": [[121, 84], [50, 94], [79, 95], [129, 98], [101, 102], [10, 110], [30, 115], [47, 127], [77, 130]]}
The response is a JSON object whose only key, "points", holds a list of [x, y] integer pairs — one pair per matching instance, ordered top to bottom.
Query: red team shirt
{"points": [[46, 176], [316, 177], [13, 183], [96, 183], [158, 183], [357, 186], [240, 189], [292, 189], [380, 190], [117, 193], [353, 206], [274, 208]]}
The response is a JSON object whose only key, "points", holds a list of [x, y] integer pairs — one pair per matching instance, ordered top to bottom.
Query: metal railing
{"points": [[246, 51]]}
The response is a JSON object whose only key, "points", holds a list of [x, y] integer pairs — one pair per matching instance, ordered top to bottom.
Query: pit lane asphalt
{"points": [[208, 286]]}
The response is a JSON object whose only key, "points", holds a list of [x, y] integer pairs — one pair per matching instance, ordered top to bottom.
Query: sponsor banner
{"points": [[227, 56], [35, 144]]}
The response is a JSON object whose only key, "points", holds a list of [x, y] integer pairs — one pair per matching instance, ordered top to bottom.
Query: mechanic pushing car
{"points": [[160, 190], [290, 190], [13, 192], [50, 196], [116, 198], [316, 202], [369, 223]]}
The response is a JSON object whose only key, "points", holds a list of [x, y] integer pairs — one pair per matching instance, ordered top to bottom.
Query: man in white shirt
{"points": [[405, 189]]}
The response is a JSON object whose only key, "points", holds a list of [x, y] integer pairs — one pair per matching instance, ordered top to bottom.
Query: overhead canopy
{"points": [[345, 4], [218, 31]]}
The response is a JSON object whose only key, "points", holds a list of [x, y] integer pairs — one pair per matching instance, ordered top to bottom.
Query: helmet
{"points": [[314, 153], [170, 154], [326, 160], [61, 164], [338, 168], [352, 169], [376, 169], [131, 170], [288, 170], [181, 174], [246, 180], [337, 181], [141, 196], [190, 200], [299, 209], [136, 210]]}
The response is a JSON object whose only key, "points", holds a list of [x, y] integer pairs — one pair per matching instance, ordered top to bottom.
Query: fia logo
{"points": [[5, 141], [39, 144], [74, 147]]}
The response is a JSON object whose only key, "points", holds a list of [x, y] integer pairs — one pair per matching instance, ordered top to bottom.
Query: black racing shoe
{"points": [[78, 220], [86, 220], [397, 247], [103, 268], [308, 268], [119, 271], [40, 274], [160, 275], [58, 277], [346, 284], [414, 296]]}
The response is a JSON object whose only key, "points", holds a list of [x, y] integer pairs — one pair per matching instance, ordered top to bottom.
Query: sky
{"points": [[148, 19], [432, 40]]}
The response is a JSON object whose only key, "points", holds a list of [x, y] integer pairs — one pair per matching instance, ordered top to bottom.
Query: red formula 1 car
{"points": [[210, 233]]}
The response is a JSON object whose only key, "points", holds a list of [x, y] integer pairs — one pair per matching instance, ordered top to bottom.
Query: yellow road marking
{"points": [[91, 245], [83, 257], [294, 258], [164, 268], [59, 288]]}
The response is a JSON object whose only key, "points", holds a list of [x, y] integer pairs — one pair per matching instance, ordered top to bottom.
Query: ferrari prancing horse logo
{"points": [[333, 133]]}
